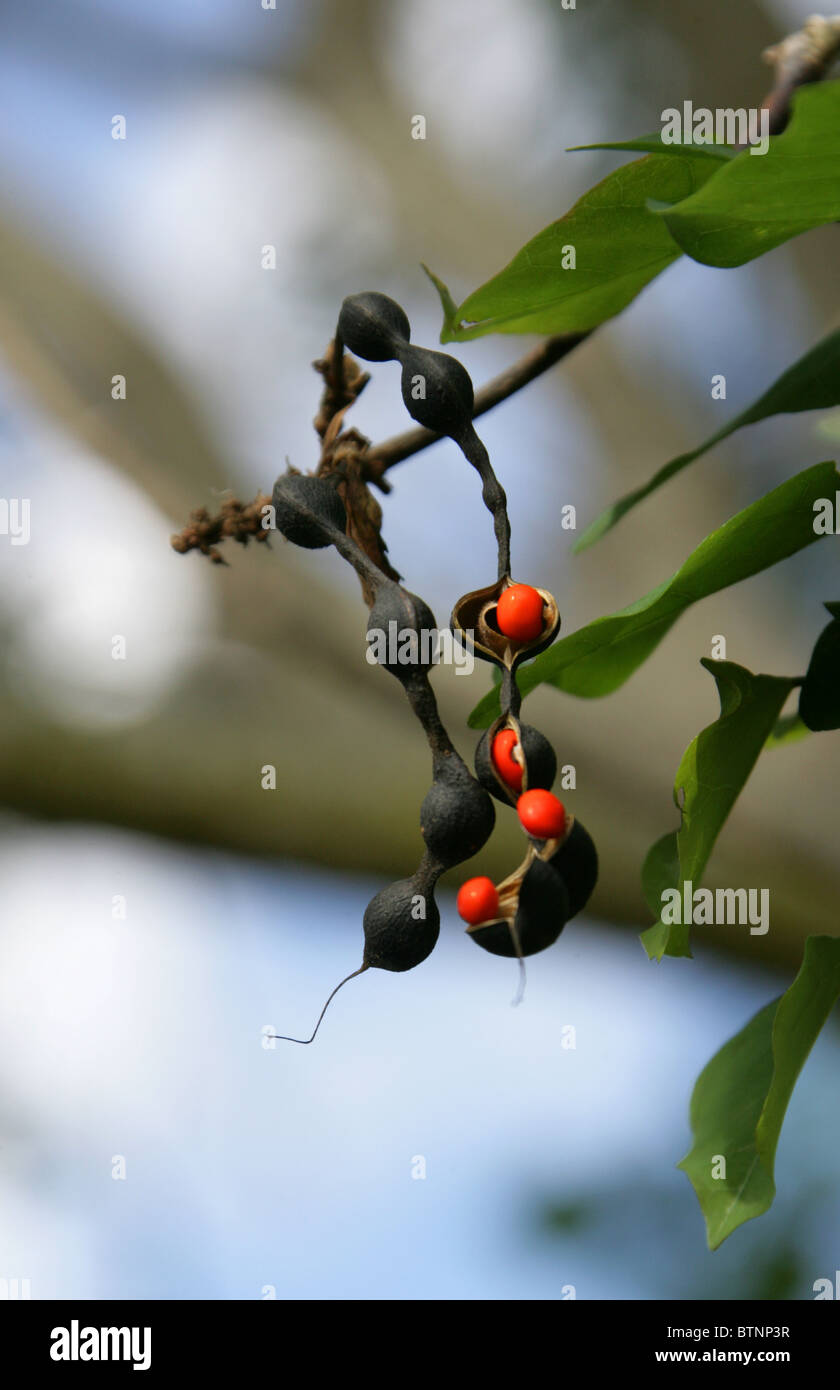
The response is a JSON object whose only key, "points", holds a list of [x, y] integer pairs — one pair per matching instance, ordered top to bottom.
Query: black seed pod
{"points": [[373, 326], [437, 390], [306, 508], [395, 614], [540, 761], [457, 815], [577, 862], [541, 915], [402, 925]]}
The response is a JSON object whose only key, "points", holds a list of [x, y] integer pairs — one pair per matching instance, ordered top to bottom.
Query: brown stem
{"points": [[800, 58], [338, 365], [344, 382], [236, 521]]}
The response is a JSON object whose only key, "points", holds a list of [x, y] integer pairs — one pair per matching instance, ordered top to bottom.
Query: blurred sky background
{"points": [[253, 1168]]}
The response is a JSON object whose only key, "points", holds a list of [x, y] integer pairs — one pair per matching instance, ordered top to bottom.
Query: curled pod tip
{"points": [[373, 326], [437, 390], [307, 510], [457, 815], [534, 917], [401, 925], [282, 1037]]}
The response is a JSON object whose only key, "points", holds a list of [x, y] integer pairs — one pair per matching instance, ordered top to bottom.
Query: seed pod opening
{"points": [[373, 326], [437, 390], [307, 510], [473, 617], [402, 634], [540, 761], [457, 815], [577, 862], [539, 911], [402, 925]]}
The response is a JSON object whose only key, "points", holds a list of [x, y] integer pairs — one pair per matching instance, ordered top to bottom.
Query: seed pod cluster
{"points": [[437, 390], [505, 623], [456, 816], [551, 886], [531, 915], [402, 921]]}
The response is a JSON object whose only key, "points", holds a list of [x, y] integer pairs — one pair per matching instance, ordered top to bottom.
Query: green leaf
{"points": [[654, 144], [756, 202], [619, 245], [450, 308], [812, 383], [829, 427], [600, 657], [819, 698], [788, 729], [712, 772], [660, 870], [741, 1096]]}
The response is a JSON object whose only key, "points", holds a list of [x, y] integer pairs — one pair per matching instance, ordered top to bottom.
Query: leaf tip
{"points": [[450, 308], [588, 538]]}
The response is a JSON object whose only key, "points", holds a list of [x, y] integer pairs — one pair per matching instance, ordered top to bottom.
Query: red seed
{"points": [[519, 613], [504, 762], [542, 814], [478, 901]]}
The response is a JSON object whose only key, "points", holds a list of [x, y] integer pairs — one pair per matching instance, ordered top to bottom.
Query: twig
{"points": [[800, 58], [338, 365], [344, 382], [236, 521]]}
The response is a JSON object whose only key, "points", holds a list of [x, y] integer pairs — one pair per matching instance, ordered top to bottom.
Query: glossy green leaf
{"points": [[654, 144], [757, 201], [619, 246], [812, 383], [600, 657], [819, 698], [788, 729], [712, 772], [661, 870], [740, 1098]]}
